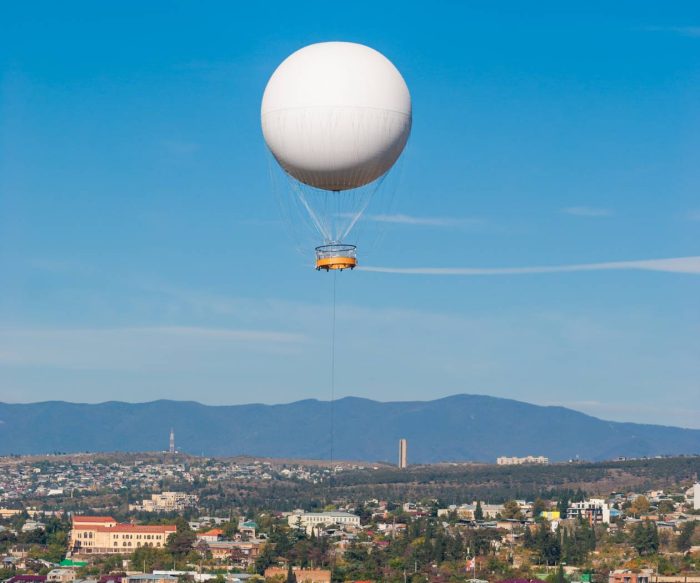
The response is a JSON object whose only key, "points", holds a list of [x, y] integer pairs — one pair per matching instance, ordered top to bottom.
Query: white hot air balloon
{"points": [[336, 116]]}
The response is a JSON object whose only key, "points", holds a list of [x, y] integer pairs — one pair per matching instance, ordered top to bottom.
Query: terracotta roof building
{"points": [[94, 520], [104, 535], [213, 535]]}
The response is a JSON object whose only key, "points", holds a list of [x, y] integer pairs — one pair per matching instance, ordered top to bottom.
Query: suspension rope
{"points": [[332, 403]]}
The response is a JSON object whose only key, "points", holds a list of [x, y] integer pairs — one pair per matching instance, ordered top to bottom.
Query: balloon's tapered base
{"points": [[336, 257]]}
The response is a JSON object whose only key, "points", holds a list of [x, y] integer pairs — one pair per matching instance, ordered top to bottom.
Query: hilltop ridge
{"points": [[455, 428]]}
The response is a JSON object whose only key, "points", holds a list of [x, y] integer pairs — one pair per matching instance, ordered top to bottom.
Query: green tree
{"points": [[562, 506], [640, 506], [538, 507], [666, 507], [511, 510], [478, 511], [230, 528], [33, 537], [645, 538], [7, 539], [528, 539], [684, 540], [577, 542], [180, 543], [546, 544], [54, 553], [150, 558], [265, 559], [6, 574], [291, 577]]}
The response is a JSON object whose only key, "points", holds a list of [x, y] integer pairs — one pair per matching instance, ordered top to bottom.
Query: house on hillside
{"points": [[248, 528], [211, 536], [301, 575], [61, 576]]}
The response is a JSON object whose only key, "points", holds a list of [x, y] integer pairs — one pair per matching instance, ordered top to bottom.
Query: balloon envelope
{"points": [[336, 115]]}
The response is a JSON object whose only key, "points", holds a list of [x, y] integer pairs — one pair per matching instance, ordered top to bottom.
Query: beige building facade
{"points": [[166, 502], [313, 520], [104, 535]]}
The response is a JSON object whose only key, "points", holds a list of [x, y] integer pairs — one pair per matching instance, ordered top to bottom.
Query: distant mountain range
{"points": [[457, 428]]}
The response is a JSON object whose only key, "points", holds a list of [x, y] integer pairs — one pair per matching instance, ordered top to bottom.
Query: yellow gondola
{"points": [[336, 257]]}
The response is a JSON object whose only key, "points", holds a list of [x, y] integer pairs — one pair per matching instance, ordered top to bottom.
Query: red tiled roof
{"points": [[93, 519], [148, 528], [162, 528], [213, 532]]}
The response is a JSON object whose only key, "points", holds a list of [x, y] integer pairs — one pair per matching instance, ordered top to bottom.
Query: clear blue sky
{"points": [[142, 255]]}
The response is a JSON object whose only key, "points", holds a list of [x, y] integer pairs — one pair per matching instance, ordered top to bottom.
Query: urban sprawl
{"points": [[160, 518]]}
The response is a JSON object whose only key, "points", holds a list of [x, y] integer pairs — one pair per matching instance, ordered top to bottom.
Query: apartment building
{"points": [[517, 461], [166, 502], [594, 510], [468, 511], [311, 520], [240, 553]]}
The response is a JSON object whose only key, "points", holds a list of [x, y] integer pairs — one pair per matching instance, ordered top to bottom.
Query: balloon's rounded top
{"points": [[336, 74], [336, 115]]}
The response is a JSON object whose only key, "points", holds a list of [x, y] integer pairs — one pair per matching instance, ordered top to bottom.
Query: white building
{"points": [[517, 461], [696, 496], [166, 502], [595, 510], [468, 511], [311, 520], [31, 525], [61, 576]]}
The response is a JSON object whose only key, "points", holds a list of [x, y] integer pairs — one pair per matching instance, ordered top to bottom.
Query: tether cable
{"points": [[332, 403]]}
